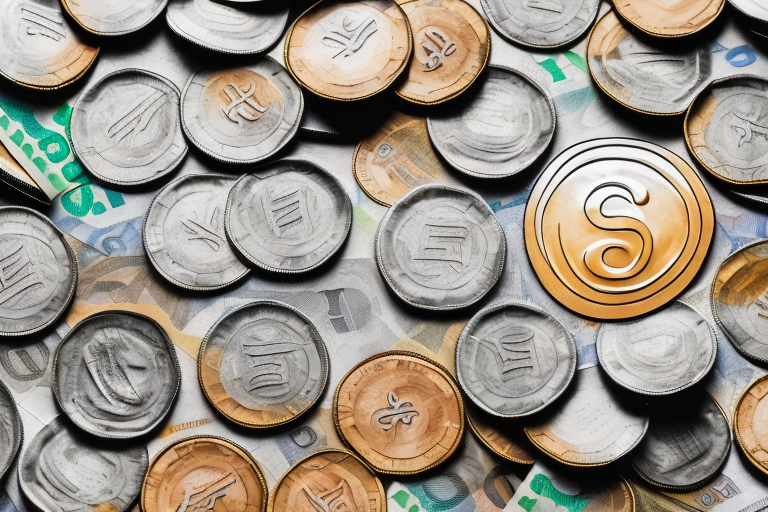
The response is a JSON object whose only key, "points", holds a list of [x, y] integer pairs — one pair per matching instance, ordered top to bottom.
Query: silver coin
{"points": [[756, 9], [114, 17], [226, 29], [242, 115], [499, 131], [291, 216], [184, 234], [440, 247], [38, 272], [660, 354], [513, 359], [116, 375], [11, 429], [61, 471]]}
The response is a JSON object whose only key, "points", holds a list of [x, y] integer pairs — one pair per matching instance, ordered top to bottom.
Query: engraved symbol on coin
{"points": [[555, 6], [40, 20], [355, 34], [438, 46], [240, 101], [136, 119], [748, 130], [287, 209], [206, 230], [446, 243], [18, 278], [513, 351], [25, 364], [268, 366], [398, 411], [338, 498], [205, 499]]}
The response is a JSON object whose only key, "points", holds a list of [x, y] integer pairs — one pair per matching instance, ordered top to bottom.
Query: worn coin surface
{"points": [[113, 17], [664, 18], [242, 115], [126, 129], [499, 131], [615, 228], [38, 272], [660, 354], [116, 375], [400, 411], [750, 423], [11, 429], [502, 437], [204, 473]]}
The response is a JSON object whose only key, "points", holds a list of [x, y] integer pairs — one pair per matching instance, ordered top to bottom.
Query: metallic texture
{"points": [[113, 17], [662, 18], [11, 429]]}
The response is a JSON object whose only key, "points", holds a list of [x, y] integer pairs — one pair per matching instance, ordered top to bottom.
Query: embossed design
{"points": [[550, 6], [40, 20], [355, 34], [438, 45], [241, 102], [748, 130], [123, 131], [287, 211], [207, 230], [447, 243], [17, 276], [513, 351], [108, 357], [25, 364], [267, 365], [398, 411], [205, 499], [338, 499]]}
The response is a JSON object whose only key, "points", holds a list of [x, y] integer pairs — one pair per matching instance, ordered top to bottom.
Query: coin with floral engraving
{"points": [[113, 17], [662, 18], [11, 429], [501, 436]]}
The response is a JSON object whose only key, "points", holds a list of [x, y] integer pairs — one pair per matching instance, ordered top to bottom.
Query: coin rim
{"points": [[156, 14], [669, 35], [18, 427], [736, 430], [489, 446]]}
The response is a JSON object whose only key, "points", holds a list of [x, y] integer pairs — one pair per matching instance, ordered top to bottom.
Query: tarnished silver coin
{"points": [[113, 17], [227, 29], [242, 115], [126, 129], [500, 130], [290, 216], [184, 234], [440, 247], [38, 272], [660, 354], [513, 359], [116, 374], [11, 429]]}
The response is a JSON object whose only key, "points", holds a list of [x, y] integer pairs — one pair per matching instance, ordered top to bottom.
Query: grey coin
{"points": [[756, 9], [114, 17], [541, 23], [226, 29], [242, 115], [126, 129], [499, 131], [290, 216], [184, 234], [440, 248], [38, 272], [660, 354], [513, 359], [116, 375], [11, 430], [63, 471]]}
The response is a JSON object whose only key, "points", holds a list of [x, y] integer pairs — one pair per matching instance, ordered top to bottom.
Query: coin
{"points": [[754, 9], [113, 17], [662, 18], [226, 29], [38, 48], [349, 50], [645, 76], [242, 115], [126, 130], [499, 131], [15, 177], [290, 217], [615, 228], [440, 248], [660, 354], [513, 359], [263, 364], [116, 375], [400, 411], [749, 423], [11, 429], [502, 437], [63, 471], [204, 473]]}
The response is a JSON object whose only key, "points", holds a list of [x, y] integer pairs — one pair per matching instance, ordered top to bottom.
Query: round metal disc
{"points": [[755, 9], [114, 17], [661, 18], [749, 423], [11, 429], [502, 437]]}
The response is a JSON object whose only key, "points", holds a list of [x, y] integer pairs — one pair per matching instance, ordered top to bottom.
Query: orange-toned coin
{"points": [[669, 18], [750, 423], [500, 436]]}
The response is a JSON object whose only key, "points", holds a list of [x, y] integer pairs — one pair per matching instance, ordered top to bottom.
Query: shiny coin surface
{"points": [[755, 9], [113, 17], [662, 18], [349, 50], [646, 77], [242, 115], [126, 129], [499, 131], [290, 217], [616, 228], [184, 234], [440, 248], [38, 272], [659, 354], [513, 359], [116, 375], [400, 411], [750, 423], [11, 429], [502, 437], [63, 471], [204, 473]]}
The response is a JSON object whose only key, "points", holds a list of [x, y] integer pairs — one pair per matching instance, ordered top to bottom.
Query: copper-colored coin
{"points": [[665, 18], [451, 45], [349, 50], [400, 411], [750, 423], [501, 436], [204, 473], [329, 480]]}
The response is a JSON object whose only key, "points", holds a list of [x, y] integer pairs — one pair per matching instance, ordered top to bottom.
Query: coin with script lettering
{"points": [[113, 17], [662, 18], [38, 49], [349, 50], [242, 115], [126, 129], [499, 131], [616, 228], [38, 272], [115, 375], [400, 411], [750, 423], [11, 429], [501, 436], [61, 470], [204, 473]]}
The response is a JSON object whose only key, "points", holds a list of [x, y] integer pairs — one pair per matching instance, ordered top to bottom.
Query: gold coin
{"points": [[665, 18], [451, 46], [349, 50], [400, 411], [750, 423], [500, 436], [203, 473], [332, 480], [616, 497]]}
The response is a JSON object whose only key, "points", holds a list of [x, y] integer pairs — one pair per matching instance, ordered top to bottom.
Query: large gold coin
{"points": [[669, 18], [615, 228], [400, 411], [750, 423], [501, 436]]}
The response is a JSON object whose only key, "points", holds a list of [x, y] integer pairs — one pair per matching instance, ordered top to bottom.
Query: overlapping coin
{"points": [[753, 10], [113, 17], [661, 18], [15, 177], [750, 422], [11, 429], [502, 437]]}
